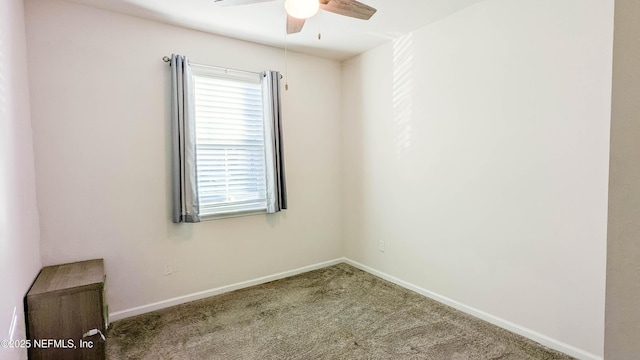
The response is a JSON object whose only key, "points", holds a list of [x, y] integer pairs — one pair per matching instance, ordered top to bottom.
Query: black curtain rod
{"points": [[225, 69]]}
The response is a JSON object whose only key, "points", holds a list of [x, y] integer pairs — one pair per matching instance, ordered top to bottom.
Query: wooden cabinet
{"points": [[65, 302]]}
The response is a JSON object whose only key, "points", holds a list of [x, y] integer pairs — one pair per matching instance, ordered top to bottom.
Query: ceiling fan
{"points": [[299, 10]]}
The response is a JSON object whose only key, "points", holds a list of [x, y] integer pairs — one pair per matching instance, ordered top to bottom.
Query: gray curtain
{"points": [[183, 122], [276, 183]]}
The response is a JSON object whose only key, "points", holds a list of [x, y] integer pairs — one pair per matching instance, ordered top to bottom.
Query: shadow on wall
{"points": [[3, 88], [402, 93], [3, 114], [6, 146]]}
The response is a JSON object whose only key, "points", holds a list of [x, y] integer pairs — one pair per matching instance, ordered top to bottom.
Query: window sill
{"points": [[232, 215]]}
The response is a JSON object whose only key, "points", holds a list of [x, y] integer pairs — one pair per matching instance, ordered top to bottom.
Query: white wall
{"points": [[100, 96], [477, 149], [19, 231], [623, 253]]}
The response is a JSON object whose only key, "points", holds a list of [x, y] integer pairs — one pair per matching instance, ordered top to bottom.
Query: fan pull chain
{"points": [[286, 70]]}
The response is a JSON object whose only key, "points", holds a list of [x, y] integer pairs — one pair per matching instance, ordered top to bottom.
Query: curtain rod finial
{"points": [[166, 59]]}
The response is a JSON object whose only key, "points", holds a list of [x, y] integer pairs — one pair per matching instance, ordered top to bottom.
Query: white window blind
{"points": [[230, 153]]}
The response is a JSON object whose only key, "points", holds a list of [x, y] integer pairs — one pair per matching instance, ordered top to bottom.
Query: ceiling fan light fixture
{"points": [[302, 9]]}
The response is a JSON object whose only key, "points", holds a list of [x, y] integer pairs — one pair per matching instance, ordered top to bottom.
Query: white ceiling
{"points": [[342, 37]]}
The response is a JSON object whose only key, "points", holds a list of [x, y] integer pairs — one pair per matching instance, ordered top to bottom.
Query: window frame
{"points": [[240, 76]]}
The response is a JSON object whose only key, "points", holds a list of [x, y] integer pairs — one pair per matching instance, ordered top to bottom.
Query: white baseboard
{"points": [[138, 310], [528, 333]]}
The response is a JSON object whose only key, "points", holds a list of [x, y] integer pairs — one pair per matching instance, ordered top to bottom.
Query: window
{"points": [[227, 142], [230, 142]]}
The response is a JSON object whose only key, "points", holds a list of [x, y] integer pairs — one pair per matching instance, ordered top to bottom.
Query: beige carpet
{"points": [[334, 313]]}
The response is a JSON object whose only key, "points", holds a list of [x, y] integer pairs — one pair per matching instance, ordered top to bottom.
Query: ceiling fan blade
{"points": [[238, 2], [351, 8], [294, 25]]}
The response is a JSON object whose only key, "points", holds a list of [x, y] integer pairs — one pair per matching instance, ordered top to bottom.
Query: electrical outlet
{"points": [[381, 246], [168, 268]]}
